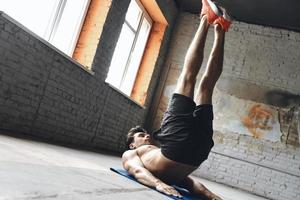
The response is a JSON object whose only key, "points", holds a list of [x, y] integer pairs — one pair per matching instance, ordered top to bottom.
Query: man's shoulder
{"points": [[138, 151], [129, 154]]}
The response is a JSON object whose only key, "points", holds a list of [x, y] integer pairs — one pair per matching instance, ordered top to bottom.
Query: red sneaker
{"points": [[210, 10], [224, 20]]}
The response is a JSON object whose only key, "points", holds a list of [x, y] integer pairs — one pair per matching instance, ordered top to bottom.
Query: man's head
{"points": [[136, 137]]}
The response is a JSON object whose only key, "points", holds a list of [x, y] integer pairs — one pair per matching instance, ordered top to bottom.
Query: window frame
{"points": [[144, 16], [57, 20], [52, 21], [53, 24]]}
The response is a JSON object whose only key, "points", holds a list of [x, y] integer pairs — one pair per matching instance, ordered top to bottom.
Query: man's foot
{"points": [[210, 10], [224, 20]]}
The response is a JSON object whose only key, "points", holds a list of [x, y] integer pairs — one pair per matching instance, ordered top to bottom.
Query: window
{"points": [[57, 21], [130, 48]]}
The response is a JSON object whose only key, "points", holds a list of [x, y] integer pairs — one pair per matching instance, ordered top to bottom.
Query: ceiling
{"points": [[276, 13]]}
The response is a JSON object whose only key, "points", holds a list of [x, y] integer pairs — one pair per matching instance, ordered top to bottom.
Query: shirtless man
{"points": [[185, 135]]}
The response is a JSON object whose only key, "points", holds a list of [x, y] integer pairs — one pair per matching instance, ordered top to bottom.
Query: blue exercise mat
{"points": [[186, 195]]}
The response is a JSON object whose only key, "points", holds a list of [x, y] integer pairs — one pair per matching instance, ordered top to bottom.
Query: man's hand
{"points": [[135, 167], [167, 189]]}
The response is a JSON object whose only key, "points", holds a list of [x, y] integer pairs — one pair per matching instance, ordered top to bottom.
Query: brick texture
{"points": [[91, 31], [261, 66], [48, 95]]}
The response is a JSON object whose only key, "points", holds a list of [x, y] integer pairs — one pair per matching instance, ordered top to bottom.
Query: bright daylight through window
{"points": [[57, 21], [130, 48]]}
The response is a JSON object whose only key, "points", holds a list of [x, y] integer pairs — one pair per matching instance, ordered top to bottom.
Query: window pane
{"points": [[133, 14], [36, 15], [69, 25], [120, 57], [136, 57]]}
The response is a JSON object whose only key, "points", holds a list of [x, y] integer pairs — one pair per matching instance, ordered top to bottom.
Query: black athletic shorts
{"points": [[186, 131]]}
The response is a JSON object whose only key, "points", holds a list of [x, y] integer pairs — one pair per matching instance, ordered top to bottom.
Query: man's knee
{"points": [[188, 78], [186, 85], [207, 85]]}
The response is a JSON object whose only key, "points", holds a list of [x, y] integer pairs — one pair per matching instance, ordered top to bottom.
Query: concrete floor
{"points": [[36, 170]]}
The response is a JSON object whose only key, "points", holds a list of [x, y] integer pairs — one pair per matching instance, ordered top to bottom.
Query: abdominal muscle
{"points": [[167, 170]]}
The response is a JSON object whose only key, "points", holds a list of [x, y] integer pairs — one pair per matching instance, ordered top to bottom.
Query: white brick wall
{"points": [[258, 60], [273, 171]]}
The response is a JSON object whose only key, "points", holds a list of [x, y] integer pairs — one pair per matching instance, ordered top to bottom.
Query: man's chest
{"points": [[149, 155]]}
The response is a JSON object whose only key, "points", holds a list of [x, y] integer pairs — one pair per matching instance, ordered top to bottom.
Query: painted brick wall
{"points": [[91, 31], [261, 70], [46, 94], [262, 167]]}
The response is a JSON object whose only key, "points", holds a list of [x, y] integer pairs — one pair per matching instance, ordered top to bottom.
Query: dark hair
{"points": [[130, 135]]}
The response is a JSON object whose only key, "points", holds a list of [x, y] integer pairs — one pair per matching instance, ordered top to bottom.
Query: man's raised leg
{"points": [[193, 61], [213, 69]]}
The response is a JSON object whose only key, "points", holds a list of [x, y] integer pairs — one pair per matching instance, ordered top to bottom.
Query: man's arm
{"points": [[133, 164], [197, 189]]}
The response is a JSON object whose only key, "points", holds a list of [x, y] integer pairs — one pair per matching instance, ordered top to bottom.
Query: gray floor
{"points": [[36, 170]]}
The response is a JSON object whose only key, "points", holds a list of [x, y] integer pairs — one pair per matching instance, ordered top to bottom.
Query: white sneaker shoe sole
{"points": [[214, 8]]}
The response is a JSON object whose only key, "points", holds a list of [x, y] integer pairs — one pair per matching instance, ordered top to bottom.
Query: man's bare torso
{"points": [[167, 170]]}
